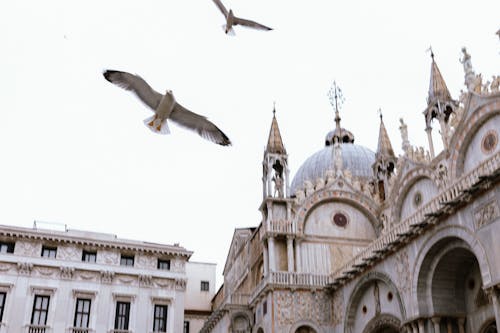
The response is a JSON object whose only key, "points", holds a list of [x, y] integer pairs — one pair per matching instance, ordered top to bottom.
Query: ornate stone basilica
{"points": [[362, 242]]}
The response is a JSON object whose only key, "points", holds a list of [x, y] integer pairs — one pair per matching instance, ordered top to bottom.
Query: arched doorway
{"points": [[450, 286], [383, 323], [305, 329]]}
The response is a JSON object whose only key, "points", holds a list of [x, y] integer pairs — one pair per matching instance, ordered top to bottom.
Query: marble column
{"points": [[429, 138], [289, 252], [272, 253], [265, 255], [298, 255], [435, 322], [461, 325], [449, 326], [414, 327], [421, 327]]}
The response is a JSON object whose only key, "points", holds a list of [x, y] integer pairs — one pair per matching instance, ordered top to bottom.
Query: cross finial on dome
{"points": [[336, 100]]}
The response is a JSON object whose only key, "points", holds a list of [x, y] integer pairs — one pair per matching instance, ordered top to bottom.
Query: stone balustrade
{"points": [[282, 226], [398, 233], [291, 279], [38, 329], [81, 330]]}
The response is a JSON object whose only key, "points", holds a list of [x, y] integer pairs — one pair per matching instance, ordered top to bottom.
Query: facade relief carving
{"points": [[486, 213], [29, 249], [69, 253], [108, 258], [144, 261], [178, 265], [5, 267], [24, 268], [44, 271], [403, 271], [67, 273], [88, 276], [107, 276], [145, 280], [164, 283], [180, 284], [293, 306], [338, 308]]}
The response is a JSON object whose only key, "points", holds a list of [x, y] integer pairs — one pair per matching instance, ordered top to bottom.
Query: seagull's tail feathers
{"points": [[156, 125]]}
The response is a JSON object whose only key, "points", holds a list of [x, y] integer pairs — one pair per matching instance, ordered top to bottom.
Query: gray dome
{"points": [[357, 159]]}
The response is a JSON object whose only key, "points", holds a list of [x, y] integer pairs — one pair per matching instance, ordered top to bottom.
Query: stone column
{"points": [[431, 144], [289, 252], [271, 254], [265, 255], [298, 255], [435, 322], [461, 325], [414, 327], [421, 327], [449, 327]]}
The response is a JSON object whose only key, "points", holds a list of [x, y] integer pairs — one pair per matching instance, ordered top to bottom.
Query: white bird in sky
{"points": [[232, 20], [165, 107]]}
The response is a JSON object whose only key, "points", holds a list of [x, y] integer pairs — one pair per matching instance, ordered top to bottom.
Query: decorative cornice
{"points": [[128, 245]]}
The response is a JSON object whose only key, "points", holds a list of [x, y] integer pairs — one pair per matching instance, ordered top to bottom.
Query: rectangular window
{"points": [[7, 247], [49, 252], [89, 256], [127, 260], [164, 264], [205, 285], [2, 304], [264, 308], [40, 310], [82, 313], [122, 315], [160, 318], [186, 327]]}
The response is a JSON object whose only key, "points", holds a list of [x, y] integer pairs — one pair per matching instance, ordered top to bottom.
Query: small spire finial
{"points": [[432, 53], [336, 100], [274, 108], [380, 113]]}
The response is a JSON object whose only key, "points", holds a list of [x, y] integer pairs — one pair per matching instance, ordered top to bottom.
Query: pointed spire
{"points": [[438, 91], [275, 143], [384, 143]]}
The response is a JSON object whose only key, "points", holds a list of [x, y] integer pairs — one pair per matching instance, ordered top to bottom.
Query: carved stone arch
{"points": [[464, 135], [405, 186], [326, 196], [444, 234], [359, 290], [240, 322], [305, 323], [382, 323], [489, 326]]}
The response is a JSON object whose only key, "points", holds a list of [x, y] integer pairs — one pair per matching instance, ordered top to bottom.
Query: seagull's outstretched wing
{"points": [[221, 7], [250, 24], [136, 84], [205, 128]]}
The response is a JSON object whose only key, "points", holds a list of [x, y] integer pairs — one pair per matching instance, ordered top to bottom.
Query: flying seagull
{"points": [[232, 20], [166, 107]]}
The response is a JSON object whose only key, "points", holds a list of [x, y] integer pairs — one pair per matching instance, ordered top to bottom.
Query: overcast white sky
{"points": [[74, 149]]}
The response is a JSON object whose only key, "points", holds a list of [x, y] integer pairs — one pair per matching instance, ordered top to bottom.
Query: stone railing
{"points": [[427, 214], [281, 226], [291, 279], [38, 329], [81, 330], [120, 331]]}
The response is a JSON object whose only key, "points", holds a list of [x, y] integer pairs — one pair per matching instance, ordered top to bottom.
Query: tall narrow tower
{"points": [[440, 105], [385, 161], [275, 175]]}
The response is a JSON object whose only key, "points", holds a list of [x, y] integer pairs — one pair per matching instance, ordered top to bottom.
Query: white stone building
{"points": [[367, 242], [80, 282]]}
